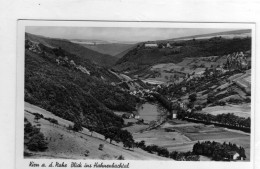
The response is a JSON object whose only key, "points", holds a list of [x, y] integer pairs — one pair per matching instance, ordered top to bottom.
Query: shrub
{"points": [[193, 97], [247, 100], [198, 108], [36, 118], [51, 120], [70, 127], [77, 127], [37, 143], [101, 146], [86, 153], [27, 154], [120, 157]]}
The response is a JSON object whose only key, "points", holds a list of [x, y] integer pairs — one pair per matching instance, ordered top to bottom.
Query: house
{"points": [[151, 45], [168, 45], [177, 49], [66, 58], [72, 63], [221, 69], [199, 74], [113, 84], [183, 89], [182, 105], [189, 110], [174, 114], [126, 116], [137, 117], [233, 155]]}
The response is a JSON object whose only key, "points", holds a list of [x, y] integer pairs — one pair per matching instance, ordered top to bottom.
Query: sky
{"points": [[118, 34]]}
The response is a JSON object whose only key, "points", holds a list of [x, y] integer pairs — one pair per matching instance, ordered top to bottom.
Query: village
{"points": [[175, 100], [190, 103]]}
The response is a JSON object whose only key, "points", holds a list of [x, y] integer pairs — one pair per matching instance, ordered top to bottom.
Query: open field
{"points": [[243, 80], [242, 110], [136, 128], [203, 132], [182, 135], [160, 137], [73, 145]]}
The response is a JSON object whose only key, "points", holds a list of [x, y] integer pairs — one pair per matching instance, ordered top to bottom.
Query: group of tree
{"points": [[196, 48], [195, 85], [71, 94], [193, 97], [214, 98], [163, 100], [38, 116], [228, 119], [77, 126], [112, 133], [115, 134], [119, 135], [34, 140], [218, 151], [163, 152]]}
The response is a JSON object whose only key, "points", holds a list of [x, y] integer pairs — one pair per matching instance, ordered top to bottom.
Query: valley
{"points": [[161, 100]]}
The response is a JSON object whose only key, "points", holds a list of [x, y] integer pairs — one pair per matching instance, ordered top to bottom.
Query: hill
{"points": [[227, 34], [73, 48], [112, 49], [120, 55], [142, 57], [72, 87], [64, 144]]}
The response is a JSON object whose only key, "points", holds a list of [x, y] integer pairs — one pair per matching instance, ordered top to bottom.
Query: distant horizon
{"points": [[120, 34]]}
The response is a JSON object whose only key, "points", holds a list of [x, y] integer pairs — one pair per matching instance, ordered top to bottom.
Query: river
{"points": [[151, 112]]}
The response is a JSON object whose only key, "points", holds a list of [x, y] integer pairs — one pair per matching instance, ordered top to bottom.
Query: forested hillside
{"points": [[73, 48], [141, 56], [72, 88]]}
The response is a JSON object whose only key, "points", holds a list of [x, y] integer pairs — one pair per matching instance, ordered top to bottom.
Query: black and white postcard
{"points": [[95, 94]]}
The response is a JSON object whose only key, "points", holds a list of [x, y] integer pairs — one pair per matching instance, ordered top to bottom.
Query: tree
{"points": [[193, 97], [210, 98], [37, 117], [54, 121], [77, 126], [91, 129], [37, 143], [128, 144], [141, 144], [101, 146], [163, 152], [173, 154], [120, 157]]}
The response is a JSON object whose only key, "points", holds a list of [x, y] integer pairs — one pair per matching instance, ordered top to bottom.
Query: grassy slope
{"points": [[73, 48], [112, 49], [120, 55], [186, 134], [68, 145]]}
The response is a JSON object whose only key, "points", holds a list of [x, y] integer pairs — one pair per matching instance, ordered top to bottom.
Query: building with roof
{"points": [[151, 45], [233, 155]]}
